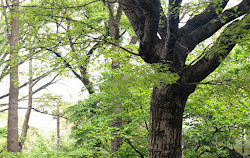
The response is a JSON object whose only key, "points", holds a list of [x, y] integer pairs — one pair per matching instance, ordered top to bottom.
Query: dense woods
{"points": [[157, 78]]}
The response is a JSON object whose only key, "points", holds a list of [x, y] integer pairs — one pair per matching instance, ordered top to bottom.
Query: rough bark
{"points": [[171, 50], [166, 112], [12, 136]]}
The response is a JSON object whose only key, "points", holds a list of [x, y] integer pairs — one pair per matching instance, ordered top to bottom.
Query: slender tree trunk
{"points": [[114, 21], [27, 115], [166, 116], [58, 128], [12, 136], [116, 142], [243, 143]]}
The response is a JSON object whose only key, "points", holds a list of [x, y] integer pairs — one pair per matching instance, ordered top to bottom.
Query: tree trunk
{"points": [[114, 21], [163, 41], [27, 115], [166, 116], [58, 128], [12, 136], [116, 142]]}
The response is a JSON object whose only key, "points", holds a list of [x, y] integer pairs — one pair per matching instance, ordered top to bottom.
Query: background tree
{"points": [[12, 30], [114, 30], [77, 34], [66, 40], [29, 107], [92, 117]]}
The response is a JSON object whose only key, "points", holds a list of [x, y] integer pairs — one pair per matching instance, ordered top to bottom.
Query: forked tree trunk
{"points": [[166, 115]]}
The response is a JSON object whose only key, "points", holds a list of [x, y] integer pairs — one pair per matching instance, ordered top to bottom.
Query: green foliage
{"points": [[64, 31], [60, 32], [140, 76], [124, 94], [50, 103], [220, 117], [93, 118], [3, 132], [3, 138], [43, 147], [46, 147], [12, 155]]}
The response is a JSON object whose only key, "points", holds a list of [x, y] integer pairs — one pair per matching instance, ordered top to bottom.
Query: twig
{"points": [[34, 6], [124, 49], [195, 60], [35, 80], [212, 82], [37, 90], [37, 110], [144, 119], [141, 155]]}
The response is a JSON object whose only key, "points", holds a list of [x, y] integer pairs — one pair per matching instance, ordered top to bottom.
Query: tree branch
{"points": [[56, 7], [151, 11], [118, 14], [135, 15], [6, 19], [173, 19], [199, 20], [162, 29], [207, 30], [172, 31], [124, 49], [219, 51], [2, 60], [65, 63], [83, 69], [5, 71], [82, 77], [35, 80], [46, 85], [37, 90], [37, 110], [133, 147]]}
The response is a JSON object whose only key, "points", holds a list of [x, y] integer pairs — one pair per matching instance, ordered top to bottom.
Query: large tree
{"points": [[12, 30], [163, 41]]}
